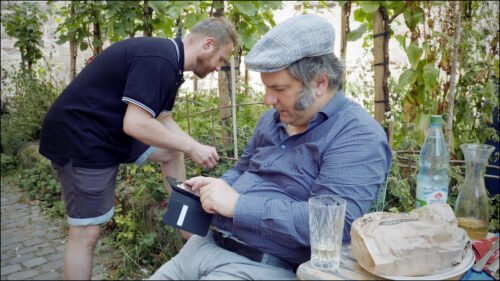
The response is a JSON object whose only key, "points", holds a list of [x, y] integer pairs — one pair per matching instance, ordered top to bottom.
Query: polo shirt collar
{"points": [[181, 53]]}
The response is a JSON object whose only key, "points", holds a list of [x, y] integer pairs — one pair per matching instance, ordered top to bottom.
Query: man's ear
{"points": [[208, 44], [321, 83]]}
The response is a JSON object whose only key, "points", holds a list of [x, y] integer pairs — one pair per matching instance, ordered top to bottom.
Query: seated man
{"points": [[313, 142]]}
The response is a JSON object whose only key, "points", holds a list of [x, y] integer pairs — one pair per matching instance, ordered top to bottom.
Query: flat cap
{"points": [[296, 38]]}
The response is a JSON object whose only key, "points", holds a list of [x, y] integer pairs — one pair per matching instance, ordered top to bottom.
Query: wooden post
{"points": [[344, 32], [73, 50], [378, 57], [246, 82], [195, 84], [195, 87], [451, 96], [224, 98], [224, 103], [233, 107], [387, 108]]}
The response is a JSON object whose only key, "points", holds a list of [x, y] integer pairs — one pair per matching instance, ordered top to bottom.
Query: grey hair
{"points": [[219, 28], [309, 68], [306, 98]]}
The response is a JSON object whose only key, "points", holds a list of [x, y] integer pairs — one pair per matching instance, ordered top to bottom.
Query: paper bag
{"points": [[418, 243]]}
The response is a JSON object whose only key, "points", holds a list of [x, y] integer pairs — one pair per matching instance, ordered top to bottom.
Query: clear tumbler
{"points": [[326, 225]]}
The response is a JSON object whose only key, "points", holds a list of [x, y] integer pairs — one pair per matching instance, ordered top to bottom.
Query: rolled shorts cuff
{"points": [[145, 155], [92, 221]]}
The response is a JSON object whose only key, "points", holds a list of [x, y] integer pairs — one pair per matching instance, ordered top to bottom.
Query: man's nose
{"points": [[217, 67], [269, 99]]}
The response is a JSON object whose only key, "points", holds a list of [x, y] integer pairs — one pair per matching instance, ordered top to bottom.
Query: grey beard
{"points": [[305, 99]]}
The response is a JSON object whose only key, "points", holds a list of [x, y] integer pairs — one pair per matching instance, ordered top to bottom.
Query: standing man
{"points": [[117, 110], [313, 142]]}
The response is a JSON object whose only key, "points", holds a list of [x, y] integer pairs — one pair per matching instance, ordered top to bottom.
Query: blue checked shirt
{"points": [[343, 152]]}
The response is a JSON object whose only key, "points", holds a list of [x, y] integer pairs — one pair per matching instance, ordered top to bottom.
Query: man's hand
{"points": [[165, 133], [206, 156], [215, 195]]}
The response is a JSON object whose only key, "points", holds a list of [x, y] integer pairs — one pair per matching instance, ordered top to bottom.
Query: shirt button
{"points": [[283, 146], [219, 218]]}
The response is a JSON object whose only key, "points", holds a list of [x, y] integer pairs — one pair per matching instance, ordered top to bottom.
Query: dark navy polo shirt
{"points": [[85, 123]]}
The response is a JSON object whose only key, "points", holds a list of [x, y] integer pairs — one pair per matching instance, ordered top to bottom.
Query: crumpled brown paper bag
{"points": [[419, 243]]}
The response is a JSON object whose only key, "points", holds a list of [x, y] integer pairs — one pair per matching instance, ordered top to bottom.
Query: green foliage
{"points": [[124, 18], [252, 19], [23, 21], [77, 26], [30, 96], [201, 119], [9, 163], [40, 184], [136, 229]]}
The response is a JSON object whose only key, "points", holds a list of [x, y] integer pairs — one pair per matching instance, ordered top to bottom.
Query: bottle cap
{"points": [[436, 120]]}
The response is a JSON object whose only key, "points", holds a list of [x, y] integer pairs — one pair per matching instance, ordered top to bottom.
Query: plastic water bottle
{"points": [[433, 179]]}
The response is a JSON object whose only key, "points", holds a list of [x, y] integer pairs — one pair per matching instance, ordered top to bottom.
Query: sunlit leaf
{"points": [[158, 6], [369, 6], [246, 7], [359, 15], [357, 33], [402, 41], [413, 52], [430, 74], [406, 78]]}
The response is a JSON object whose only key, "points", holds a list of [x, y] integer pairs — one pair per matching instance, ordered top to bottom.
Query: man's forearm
{"points": [[140, 125], [172, 126]]}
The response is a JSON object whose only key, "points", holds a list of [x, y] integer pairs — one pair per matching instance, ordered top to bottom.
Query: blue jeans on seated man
{"points": [[202, 259]]}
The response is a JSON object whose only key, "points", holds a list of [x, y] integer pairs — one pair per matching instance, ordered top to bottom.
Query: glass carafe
{"points": [[472, 206]]}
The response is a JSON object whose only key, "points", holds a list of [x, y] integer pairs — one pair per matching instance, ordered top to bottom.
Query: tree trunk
{"points": [[148, 14], [97, 30], [344, 32], [73, 50], [378, 57], [246, 82], [451, 96], [224, 98], [387, 108]]}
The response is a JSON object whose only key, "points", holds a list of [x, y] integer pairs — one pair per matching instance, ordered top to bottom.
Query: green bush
{"points": [[30, 96], [9, 163], [40, 184], [136, 229]]}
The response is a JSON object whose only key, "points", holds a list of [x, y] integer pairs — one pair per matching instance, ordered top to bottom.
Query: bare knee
{"points": [[166, 156], [175, 156], [86, 236]]}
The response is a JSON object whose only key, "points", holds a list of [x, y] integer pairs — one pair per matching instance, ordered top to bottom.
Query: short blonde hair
{"points": [[219, 28]]}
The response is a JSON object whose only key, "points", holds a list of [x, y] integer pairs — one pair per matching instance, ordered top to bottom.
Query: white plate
{"points": [[448, 273]]}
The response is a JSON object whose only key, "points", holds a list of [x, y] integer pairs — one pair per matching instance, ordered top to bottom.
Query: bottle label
{"points": [[425, 197]]}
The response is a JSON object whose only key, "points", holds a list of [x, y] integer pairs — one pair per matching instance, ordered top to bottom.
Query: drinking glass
{"points": [[326, 225]]}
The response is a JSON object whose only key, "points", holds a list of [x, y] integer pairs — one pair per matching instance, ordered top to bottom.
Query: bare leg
{"points": [[172, 161], [172, 164], [79, 252]]}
